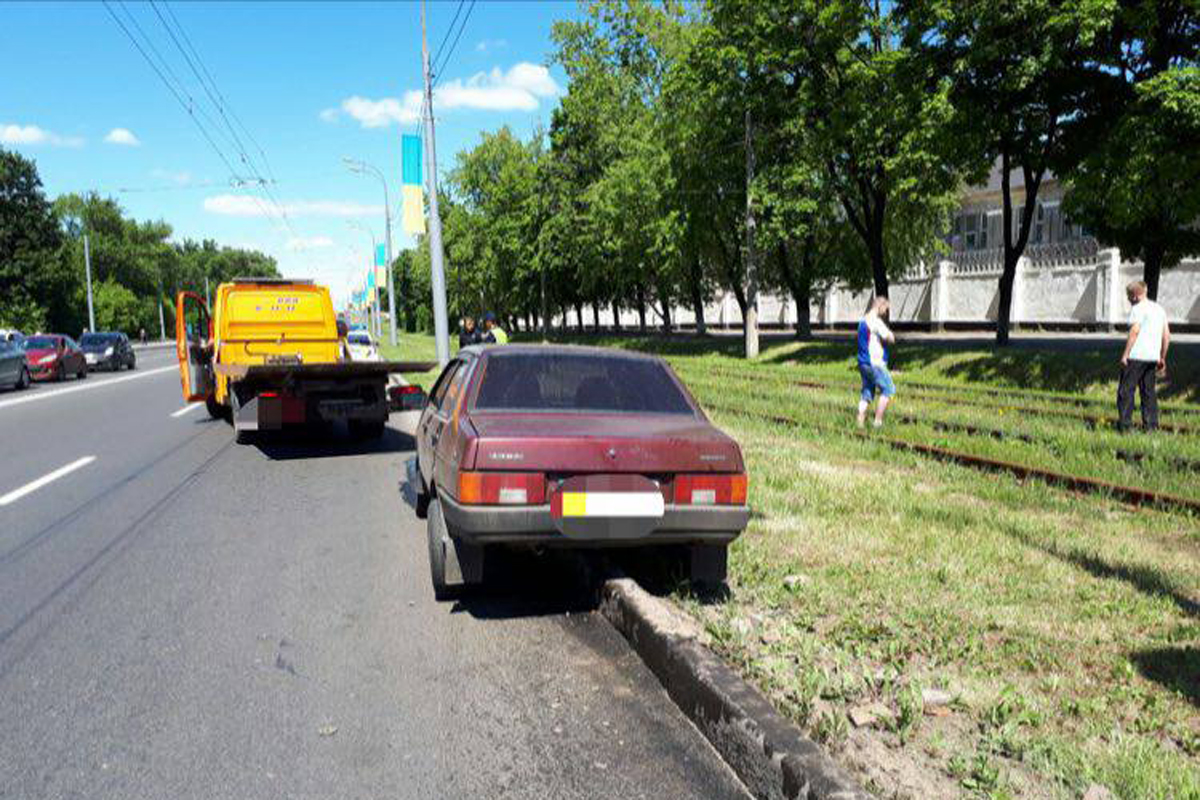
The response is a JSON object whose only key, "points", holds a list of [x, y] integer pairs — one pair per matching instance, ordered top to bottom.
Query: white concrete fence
{"points": [[1072, 284]]}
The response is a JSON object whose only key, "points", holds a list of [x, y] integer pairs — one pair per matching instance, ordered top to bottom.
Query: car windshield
{"points": [[359, 338], [97, 340], [41, 343], [579, 382]]}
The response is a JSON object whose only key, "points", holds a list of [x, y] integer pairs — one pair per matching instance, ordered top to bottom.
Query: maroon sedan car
{"points": [[52, 356], [571, 447]]}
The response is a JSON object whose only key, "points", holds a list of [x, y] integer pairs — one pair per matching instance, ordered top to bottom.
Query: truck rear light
{"points": [[502, 488], [711, 490]]}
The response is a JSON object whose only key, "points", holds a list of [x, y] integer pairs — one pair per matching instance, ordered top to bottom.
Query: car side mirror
{"points": [[407, 397]]}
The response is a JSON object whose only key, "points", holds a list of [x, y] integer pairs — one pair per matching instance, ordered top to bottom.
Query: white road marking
{"points": [[146, 373], [186, 409], [33, 486]]}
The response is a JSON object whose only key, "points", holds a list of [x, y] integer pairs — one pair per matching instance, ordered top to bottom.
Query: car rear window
{"points": [[579, 382]]}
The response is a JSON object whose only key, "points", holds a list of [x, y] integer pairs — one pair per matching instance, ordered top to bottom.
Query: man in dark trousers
{"points": [[468, 334], [1145, 357]]}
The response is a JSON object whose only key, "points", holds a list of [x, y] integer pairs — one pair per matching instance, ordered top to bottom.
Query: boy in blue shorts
{"points": [[874, 336]]}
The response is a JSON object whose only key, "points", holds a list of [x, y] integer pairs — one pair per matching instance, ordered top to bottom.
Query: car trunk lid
{"points": [[569, 443]]}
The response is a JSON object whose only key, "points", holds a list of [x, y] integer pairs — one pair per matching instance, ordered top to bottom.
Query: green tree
{"points": [[1020, 73], [30, 268], [117, 308]]}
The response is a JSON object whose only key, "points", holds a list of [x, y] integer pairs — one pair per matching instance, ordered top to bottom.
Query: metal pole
{"points": [[87, 266], [391, 282], [207, 296], [162, 325], [440, 328]]}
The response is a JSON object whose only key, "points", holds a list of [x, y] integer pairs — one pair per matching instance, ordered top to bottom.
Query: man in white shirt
{"points": [[1144, 358]]}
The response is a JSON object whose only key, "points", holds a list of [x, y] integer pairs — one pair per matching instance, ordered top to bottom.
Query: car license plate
{"points": [[607, 506]]}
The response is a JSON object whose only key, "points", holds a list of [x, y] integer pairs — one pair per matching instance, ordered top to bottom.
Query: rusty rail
{"points": [[1077, 483]]}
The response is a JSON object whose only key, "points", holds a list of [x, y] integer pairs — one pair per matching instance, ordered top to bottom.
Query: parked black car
{"points": [[108, 350]]}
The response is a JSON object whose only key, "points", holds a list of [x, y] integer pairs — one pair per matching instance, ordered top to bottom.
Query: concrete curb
{"points": [[138, 347], [770, 754]]}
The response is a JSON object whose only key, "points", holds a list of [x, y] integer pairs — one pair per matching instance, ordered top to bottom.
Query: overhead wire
{"points": [[449, 30], [437, 72], [217, 100]]}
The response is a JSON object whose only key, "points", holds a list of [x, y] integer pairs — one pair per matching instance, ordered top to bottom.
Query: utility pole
{"points": [[87, 267], [207, 296], [750, 323], [162, 324], [441, 330]]}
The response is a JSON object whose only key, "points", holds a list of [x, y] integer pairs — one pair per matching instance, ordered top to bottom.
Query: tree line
{"points": [[749, 146], [136, 268]]}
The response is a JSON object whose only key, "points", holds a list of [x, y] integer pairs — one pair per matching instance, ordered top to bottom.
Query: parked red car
{"points": [[52, 357], [571, 447]]}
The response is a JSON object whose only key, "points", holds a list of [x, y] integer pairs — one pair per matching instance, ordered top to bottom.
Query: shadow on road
{"points": [[328, 442]]}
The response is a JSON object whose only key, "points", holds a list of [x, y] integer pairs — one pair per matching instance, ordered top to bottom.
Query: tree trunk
{"points": [[1152, 264], [799, 283], [697, 294], [641, 309], [666, 313], [750, 314], [579, 316], [616, 316], [596, 317]]}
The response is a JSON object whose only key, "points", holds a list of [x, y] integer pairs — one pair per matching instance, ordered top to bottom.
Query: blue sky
{"points": [[311, 82]]}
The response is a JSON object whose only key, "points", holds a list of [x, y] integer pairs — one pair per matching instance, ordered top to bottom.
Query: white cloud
{"points": [[491, 44], [520, 88], [329, 115], [32, 134], [122, 136], [182, 178], [247, 205], [313, 243]]}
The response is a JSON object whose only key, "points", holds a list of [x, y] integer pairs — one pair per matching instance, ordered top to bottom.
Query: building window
{"points": [[970, 231]]}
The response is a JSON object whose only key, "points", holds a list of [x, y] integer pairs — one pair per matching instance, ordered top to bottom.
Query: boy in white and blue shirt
{"points": [[874, 336]]}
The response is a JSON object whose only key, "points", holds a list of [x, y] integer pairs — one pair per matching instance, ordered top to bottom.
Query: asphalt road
{"points": [[183, 617]]}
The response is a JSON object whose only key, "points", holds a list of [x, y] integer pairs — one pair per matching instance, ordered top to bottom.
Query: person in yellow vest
{"points": [[492, 332]]}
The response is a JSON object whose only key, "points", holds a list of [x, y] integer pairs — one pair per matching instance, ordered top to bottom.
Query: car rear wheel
{"points": [[133, 362], [83, 373], [60, 374], [23, 380], [435, 530]]}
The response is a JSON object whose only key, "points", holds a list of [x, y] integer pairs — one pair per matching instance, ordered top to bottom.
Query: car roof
{"points": [[560, 349]]}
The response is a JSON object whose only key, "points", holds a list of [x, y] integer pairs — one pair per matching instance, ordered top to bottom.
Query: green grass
{"points": [[416, 347], [1066, 627]]}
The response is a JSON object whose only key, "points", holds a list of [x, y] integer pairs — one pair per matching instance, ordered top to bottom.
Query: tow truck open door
{"points": [[193, 346]]}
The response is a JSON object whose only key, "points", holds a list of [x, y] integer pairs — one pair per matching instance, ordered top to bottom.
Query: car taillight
{"points": [[502, 488], [710, 490]]}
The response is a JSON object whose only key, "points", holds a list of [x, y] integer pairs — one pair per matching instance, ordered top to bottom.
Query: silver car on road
{"points": [[13, 371]]}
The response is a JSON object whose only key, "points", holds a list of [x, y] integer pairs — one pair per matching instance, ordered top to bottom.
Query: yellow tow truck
{"points": [[271, 354]]}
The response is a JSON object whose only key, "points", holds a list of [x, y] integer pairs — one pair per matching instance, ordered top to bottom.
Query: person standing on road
{"points": [[492, 332], [468, 334], [142, 335], [874, 336], [1145, 357]]}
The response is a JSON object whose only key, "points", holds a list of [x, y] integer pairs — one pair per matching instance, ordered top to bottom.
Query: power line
{"points": [[449, 29], [437, 72], [170, 88], [211, 91]]}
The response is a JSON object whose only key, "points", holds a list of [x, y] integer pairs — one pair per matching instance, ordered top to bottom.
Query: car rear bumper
{"points": [[534, 525]]}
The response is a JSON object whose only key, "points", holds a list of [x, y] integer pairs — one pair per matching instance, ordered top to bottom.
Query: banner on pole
{"points": [[410, 159], [414, 210], [380, 255], [370, 280]]}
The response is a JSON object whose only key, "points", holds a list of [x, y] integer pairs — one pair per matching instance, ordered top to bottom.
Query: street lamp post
{"points": [[362, 167], [377, 326]]}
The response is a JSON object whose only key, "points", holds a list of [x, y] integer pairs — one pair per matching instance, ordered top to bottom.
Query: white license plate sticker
{"points": [[612, 504]]}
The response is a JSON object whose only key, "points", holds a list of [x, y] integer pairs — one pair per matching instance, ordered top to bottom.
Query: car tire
{"points": [[132, 363], [60, 374], [82, 374], [24, 381], [435, 531], [709, 564]]}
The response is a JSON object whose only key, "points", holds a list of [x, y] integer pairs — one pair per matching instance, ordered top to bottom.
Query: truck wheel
{"points": [[215, 409], [435, 530], [708, 564]]}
